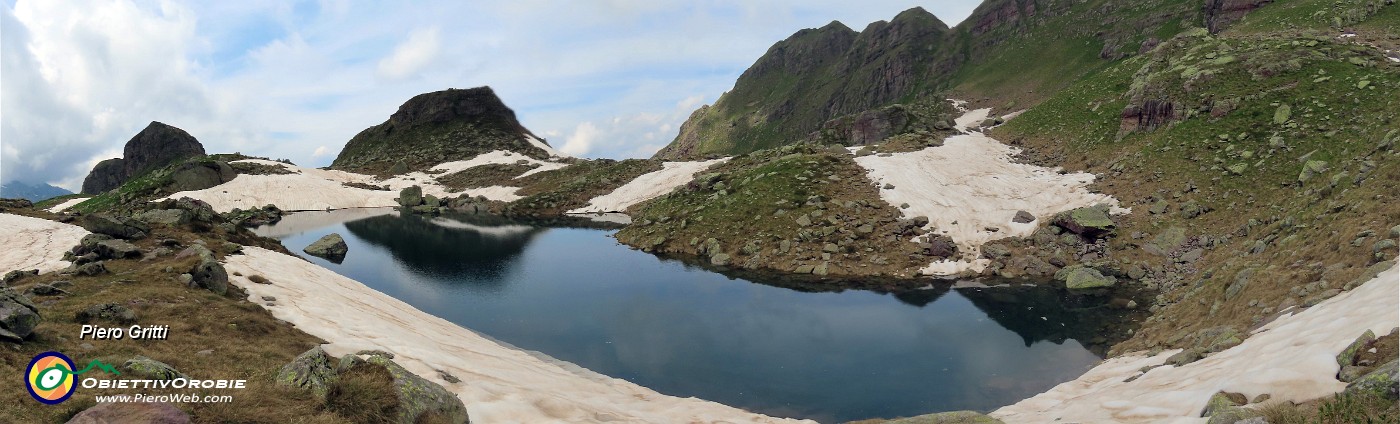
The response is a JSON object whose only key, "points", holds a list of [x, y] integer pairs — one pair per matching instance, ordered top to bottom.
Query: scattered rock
{"points": [[1311, 169], [411, 196], [171, 217], [1023, 217], [1088, 221], [115, 226], [332, 247], [116, 249], [720, 259], [92, 268], [207, 273], [16, 275], [1080, 277], [1240, 283], [111, 312], [18, 316], [1348, 356], [1185, 357], [151, 369], [311, 370], [1381, 382], [419, 397], [131, 412], [954, 417]]}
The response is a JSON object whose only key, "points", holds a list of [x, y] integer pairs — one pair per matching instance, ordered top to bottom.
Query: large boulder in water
{"points": [[155, 146], [411, 196], [331, 247], [1080, 277], [18, 316]]}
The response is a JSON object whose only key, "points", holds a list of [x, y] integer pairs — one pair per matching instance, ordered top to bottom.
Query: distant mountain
{"points": [[1014, 51], [436, 127], [155, 146], [33, 192]]}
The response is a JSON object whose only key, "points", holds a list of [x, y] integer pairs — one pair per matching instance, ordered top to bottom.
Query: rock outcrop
{"points": [[1219, 14], [817, 75], [436, 127], [155, 146], [18, 316]]}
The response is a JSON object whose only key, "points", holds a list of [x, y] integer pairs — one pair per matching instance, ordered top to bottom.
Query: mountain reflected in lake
{"points": [[778, 347]]}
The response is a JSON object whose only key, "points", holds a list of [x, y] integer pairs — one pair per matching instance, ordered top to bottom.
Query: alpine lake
{"points": [[768, 344]]}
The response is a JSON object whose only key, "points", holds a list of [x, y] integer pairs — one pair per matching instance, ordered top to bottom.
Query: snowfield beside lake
{"points": [[972, 183], [648, 186], [319, 189], [33, 243], [1292, 359], [498, 383]]}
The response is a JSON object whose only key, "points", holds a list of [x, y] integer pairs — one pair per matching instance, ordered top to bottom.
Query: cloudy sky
{"points": [[297, 79]]}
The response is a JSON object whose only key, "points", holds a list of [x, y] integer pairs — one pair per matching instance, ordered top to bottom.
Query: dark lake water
{"points": [[577, 295]]}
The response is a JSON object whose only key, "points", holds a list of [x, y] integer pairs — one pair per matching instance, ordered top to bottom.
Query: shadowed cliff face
{"points": [[437, 127], [155, 146]]}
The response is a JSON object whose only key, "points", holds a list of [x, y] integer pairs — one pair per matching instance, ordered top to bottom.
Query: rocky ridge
{"points": [[436, 127], [155, 146]]}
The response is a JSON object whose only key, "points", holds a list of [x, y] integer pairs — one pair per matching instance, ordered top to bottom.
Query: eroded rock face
{"points": [[1221, 13], [436, 127], [155, 146]]}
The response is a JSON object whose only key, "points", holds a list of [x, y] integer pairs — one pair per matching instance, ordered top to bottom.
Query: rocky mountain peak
{"points": [[436, 127], [155, 146]]}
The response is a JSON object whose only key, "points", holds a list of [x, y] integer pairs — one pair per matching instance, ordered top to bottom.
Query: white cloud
{"points": [[412, 56], [283, 79], [580, 142]]}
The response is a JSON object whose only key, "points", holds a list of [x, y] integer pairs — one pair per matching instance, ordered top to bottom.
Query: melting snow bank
{"points": [[970, 184], [648, 186], [319, 189], [67, 204], [296, 223], [33, 243], [1292, 359], [498, 383]]}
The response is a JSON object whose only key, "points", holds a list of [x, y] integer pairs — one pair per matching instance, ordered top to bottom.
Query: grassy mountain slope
{"points": [[1015, 51], [1276, 159]]}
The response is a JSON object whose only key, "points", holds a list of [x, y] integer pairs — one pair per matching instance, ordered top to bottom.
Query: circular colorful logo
{"points": [[49, 378]]}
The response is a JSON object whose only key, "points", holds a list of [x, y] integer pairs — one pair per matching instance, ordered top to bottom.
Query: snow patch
{"points": [[972, 119], [540, 144], [971, 183], [648, 186], [321, 189], [67, 204], [33, 243], [1292, 359], [498, 383]]}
